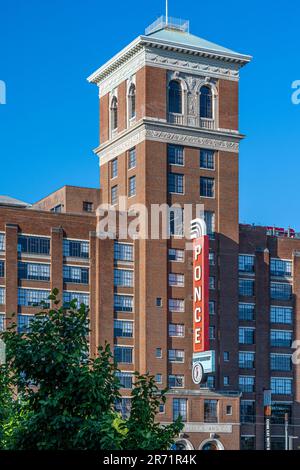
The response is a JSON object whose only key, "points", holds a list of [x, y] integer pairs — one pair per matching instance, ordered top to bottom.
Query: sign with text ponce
{"points": [[201, 294]]}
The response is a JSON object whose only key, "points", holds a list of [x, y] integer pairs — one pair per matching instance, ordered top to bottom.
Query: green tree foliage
{"points": [[53, 396]]}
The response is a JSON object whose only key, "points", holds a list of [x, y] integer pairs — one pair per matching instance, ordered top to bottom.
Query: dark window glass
{"points": [[175, 97], [206, 102], [175, 155], [207, 159]]}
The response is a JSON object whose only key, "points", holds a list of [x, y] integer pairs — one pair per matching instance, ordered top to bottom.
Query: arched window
{"points": [[175, 97], [131, 101], [206, 103], [114, 113]]}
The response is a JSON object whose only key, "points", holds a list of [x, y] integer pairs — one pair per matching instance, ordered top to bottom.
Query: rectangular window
{"points": [[175, 155], [131, 158], [207, 159], [114, 168], [175, 183], [132, 186], [207, 187], [114, 195], [87, 206], [57, 209], [209, 218], [176, 222], [2, 241], [33, 245], [76, 248], [123, 252], [176, 255], [211, 258], [246, 263], [280, 268], [2, 269], [34, 271], [76, 274], [123, 278], [176, 280], [212, 282], [246, 287], [281, 291], [2, 295], [81, 297], [32, 298], [123, 303], [176, 305], [212, 307], [246, 312], [282, 315], [2, 322], [24, 323], [123, 329], [176, 330], [212, 332], [246, 335], [281, 338], [158, 353], [123, 354], [176, 355], [226, 356], [246, 360], [281, 362], [158, 378], [125, 379], [176, 381], [210, 383], [246, 383], [281, 386], [123, 406], [180, 408], [279, 410], [210, 411], [247, 411], [248, 443]]}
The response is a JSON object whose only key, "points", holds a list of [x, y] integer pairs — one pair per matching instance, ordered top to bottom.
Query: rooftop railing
{"points": [[162, 22]]}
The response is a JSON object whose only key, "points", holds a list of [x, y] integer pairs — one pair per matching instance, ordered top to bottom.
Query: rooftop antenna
{"points": [[167, 12]]}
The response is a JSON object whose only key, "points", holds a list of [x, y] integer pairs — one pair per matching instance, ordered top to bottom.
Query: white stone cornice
{"points": [[167, 133]]}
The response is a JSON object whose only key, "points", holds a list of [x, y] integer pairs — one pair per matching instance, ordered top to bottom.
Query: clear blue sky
{"points": [[49, 125]]}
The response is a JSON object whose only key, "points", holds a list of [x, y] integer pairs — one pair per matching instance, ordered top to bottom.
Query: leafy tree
{"points": [[67, 400]]}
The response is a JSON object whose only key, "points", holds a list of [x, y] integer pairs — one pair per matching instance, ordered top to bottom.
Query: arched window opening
{"points": [[175, 97], [131, 101], [206, 103], [114, 113]]}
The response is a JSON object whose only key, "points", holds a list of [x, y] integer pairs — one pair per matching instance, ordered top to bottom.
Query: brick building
{"points": [[169, 134]]}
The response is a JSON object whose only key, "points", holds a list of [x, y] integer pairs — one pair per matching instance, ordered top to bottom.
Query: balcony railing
{"points": [[191, 121]]}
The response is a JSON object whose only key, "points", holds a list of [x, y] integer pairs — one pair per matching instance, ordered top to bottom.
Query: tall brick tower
{"points": [[169, 134]]}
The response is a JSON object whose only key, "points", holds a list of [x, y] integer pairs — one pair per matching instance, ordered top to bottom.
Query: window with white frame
{"points": [[175, 97], [132, 101], [206, 102], [114, 113], [175, 155], [131, 158], [207, 159], [114, 168], [176, 183], [132, 186], [207, 187], [114, 195], [209, 218], [176, 224], [2, 241], [33, 245], [76, 248], [123, 251], [176, 255], [212, 258], [246, 263], [280, 267], [2, 268], [34, 271], [75, 274], [123, 278], [176, 279], [212, 282], [281, 291], [2, 295], [32, 297], [81, 297], [123, 303], [176, 305], [212, 307], [246, 311], [279, 314], [2, 321], [24, 323], [123, 329], [176, 330], [212, 332], [246, 335], [281, 338], [123, 354], [176, 355], [246, 360], [125, 378], [176, 381], [246, 383], [281, 386], [123, 406], [179, 406]]}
